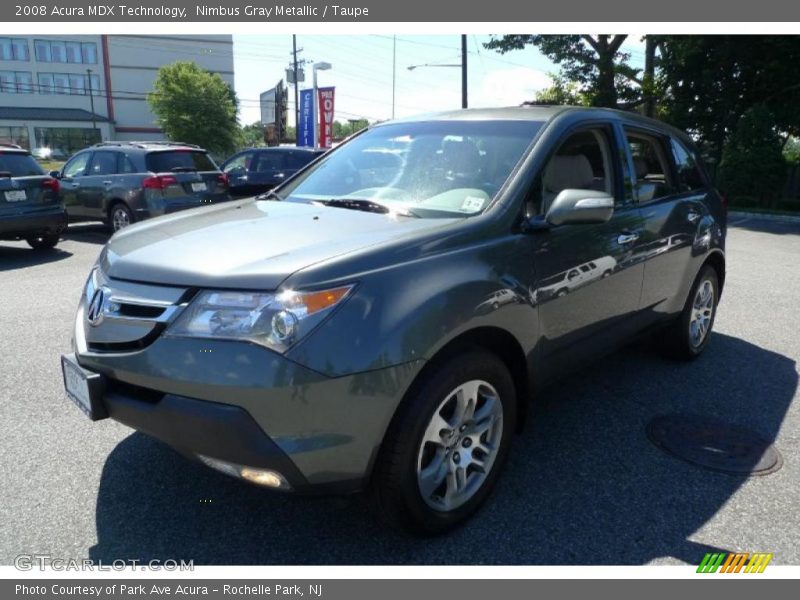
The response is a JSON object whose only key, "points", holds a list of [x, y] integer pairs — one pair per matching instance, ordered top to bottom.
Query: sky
{"points": [[362, 72]]}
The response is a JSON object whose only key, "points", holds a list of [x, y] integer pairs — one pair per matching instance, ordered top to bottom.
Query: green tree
{"points": [[595, 64], [707, 83], [562, 92], [195, 106], [341, 129], [253, 135], [791, 151], [752, 161]]}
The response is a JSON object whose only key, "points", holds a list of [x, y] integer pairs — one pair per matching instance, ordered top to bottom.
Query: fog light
{"points": [[263, 477]]}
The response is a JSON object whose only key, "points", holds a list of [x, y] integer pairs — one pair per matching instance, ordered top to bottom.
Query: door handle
{"points": [[108, 182], [76, 185], [692, 216], [627, 238]]}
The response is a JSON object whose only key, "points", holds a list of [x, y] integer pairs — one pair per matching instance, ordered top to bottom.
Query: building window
{"points": [[14, 49], [58, 51], [16, 82], [68, 83], [15, 135], [63, 141]]}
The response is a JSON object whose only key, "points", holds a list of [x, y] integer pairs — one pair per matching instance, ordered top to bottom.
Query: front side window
{"points": [[582, 162], [77, 166], [651, 167], [425, 169]]}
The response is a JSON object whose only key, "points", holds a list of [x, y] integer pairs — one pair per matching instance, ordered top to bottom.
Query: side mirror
{"points": [[55, 174], [580, 207]]}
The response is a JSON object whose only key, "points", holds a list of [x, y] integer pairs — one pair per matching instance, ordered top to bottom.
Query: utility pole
{"points": [[394, 70], [463, 71], [649, 75], [296, 92], [91, 100]]}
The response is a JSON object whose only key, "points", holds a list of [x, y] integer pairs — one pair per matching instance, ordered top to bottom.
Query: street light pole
{"points": [[318, 66], [463, 71], [296, 93], [91, 101]]}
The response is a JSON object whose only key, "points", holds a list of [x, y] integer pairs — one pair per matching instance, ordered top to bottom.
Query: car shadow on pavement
{"points": [[90, 233], [12, 257], [583, 484]]}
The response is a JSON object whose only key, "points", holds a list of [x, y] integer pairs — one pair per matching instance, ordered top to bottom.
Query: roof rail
{"points": [[143, 144]]}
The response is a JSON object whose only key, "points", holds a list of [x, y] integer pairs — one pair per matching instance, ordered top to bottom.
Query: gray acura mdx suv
{"points": [[381, 321]]}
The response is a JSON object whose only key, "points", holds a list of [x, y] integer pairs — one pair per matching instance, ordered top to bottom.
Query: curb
{"points": [[765, 216]]}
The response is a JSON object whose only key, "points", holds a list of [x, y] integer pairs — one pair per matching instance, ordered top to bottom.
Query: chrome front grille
{"points": [[119, 316]]}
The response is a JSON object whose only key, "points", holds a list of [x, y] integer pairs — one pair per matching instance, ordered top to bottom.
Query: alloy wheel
{"points": [[702, 313], [460, 445]]}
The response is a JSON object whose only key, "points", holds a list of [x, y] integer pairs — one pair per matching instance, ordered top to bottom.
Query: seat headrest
{"points": [[568, 172]]}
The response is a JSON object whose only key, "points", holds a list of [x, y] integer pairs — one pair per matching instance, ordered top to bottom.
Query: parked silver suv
{"points": [[124, 182]]}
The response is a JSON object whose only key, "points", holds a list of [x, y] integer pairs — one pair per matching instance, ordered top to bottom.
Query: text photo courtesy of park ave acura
{"points": [[431, 298]]}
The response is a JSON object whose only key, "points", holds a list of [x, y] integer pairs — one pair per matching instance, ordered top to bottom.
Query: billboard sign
{"points": [[326, 104], [305, 127]]}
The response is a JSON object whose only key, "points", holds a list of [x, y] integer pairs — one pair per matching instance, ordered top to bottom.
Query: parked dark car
{"points": [[258, 170], [124, 182], [30, 205], [383, 329]]}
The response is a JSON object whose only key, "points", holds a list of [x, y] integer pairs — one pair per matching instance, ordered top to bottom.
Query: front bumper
{"points": [[32, 223], [241, 403]]}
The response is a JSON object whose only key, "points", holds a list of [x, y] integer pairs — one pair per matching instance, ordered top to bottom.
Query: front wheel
{"points": [[43, 242], [688, 335], [445, 447]]}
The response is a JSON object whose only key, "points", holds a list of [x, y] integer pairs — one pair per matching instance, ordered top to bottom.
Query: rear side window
{"points": [[177, 160], [298, 160], [268, 161], [103, 163], [19, 164], [124, 164], [652, 167], [689, 176]]}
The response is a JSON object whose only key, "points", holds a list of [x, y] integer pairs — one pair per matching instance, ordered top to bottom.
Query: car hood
{"points": [[248, 244]]}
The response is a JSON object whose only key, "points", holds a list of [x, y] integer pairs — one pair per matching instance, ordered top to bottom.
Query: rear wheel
{"points": [[119, 217], [43, 242], [688, 335], [444, 450]]}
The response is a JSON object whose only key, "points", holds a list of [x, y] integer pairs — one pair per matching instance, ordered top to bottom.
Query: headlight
{"points": [[273, 320]]}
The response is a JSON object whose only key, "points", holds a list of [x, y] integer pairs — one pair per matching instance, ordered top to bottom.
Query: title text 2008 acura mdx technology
{"points": [[378, 322]]}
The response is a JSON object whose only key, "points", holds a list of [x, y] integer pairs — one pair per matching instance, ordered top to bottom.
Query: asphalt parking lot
{"points": [[583, 486]]}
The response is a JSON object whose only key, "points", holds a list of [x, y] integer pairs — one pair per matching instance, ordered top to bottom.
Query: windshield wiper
{"points": [[367, 206]]}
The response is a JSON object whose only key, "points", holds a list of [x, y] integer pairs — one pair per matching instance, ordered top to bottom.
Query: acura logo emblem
{"points": [[95, 312]]}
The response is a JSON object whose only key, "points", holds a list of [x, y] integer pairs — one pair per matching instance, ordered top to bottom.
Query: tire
{"points": [[119, 216], [47, 241], [688, 335], [396, 488]]}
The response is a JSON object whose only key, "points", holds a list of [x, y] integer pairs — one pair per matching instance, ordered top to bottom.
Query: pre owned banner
{"points": [[325, 99], [305, 127]]}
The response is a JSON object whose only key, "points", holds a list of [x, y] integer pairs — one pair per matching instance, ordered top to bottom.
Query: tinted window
{"points": [[176, 160], [298, 160], [268, 161], [103, 163], [124, 164], [19, 165], [77, 165], [651, 166], [689, 177]]}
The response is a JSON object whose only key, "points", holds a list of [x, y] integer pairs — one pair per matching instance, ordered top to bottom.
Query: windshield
{"points": [[426, 169]]}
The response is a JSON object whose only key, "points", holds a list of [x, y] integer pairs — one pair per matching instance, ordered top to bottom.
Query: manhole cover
{"points": [[714, 445]]}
